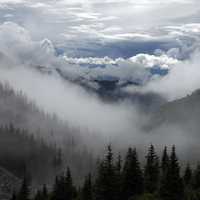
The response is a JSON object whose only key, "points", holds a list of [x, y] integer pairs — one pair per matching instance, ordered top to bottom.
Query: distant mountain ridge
{"points": [[112, 90], [184, 112]]}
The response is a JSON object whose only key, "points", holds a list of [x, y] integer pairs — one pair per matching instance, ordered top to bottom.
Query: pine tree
{"points": [[57, 161], [164, 161], [119, 164], [118, 167], [151, 172], [164, 173], [187, 175], [196, 178], [106, 181], [176, 183], [132, 184], [173, 184], [63, 187], [58, 189], [24, 190], [70, 190], [87, 190], [44, 192], [14, 196], [39, 196]]}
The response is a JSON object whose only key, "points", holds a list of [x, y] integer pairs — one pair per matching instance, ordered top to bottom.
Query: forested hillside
{"points": [[183, 112], [33, 141], [21, 153]]}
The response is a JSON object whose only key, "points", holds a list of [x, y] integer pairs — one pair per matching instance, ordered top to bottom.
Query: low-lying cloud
{"points": [[182, 80]]}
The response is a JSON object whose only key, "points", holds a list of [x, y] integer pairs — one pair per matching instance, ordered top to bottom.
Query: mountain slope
{"points": [[15, 108], [183, 112], [33, 128]]}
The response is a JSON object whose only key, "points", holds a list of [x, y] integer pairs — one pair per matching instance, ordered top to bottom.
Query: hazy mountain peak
{"points": [[47, 46]]}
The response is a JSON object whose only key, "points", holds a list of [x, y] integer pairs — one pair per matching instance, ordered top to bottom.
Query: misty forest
{"points": [[99, 100]]}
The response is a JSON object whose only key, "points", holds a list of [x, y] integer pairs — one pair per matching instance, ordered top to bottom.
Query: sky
{"points": [[93, 20]]}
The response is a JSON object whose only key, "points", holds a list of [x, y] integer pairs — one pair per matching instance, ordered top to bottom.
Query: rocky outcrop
{"points": [[8, 184]]}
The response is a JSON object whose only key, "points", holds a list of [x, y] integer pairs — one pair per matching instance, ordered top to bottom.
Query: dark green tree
{"points": [[57, 160], [164, 161], [118, 166], [151, 171], [164, 172], [132, 176], [187, 177], [196, 178], [106, 181], [172, 186], [63, 187], [58, 189], [70, 190], [87, 190], [24, 192], [44, 192], [14, 196], [39, 196]]}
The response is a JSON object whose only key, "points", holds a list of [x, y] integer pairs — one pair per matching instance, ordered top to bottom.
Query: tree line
{"points": [[22, 152], [161, 178]]}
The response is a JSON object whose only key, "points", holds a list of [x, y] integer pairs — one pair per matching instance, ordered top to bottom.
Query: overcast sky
{"points": [[109, 19]]}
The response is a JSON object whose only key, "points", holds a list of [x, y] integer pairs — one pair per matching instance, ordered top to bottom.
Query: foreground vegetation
{"points": [[117, 179]]}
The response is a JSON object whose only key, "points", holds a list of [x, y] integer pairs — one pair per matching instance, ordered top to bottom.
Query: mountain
{"points": [[47, 46], [111, 90], [183, 112]]}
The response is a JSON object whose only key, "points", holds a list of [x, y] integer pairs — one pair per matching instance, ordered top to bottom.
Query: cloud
{"points": [[11, 1], [56, 19], [16, 43], [42, 54], [146, 60], [135, 69], [182, 80]]}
